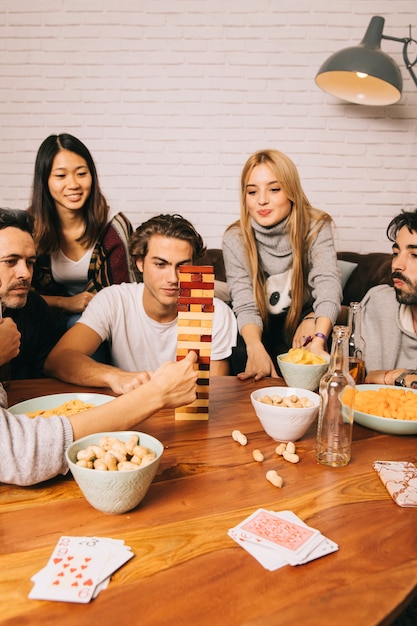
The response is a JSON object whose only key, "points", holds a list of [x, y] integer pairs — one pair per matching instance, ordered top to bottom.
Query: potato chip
{"points": [[303, 356]]}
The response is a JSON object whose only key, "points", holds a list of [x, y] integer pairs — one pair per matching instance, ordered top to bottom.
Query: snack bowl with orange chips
{"points": [[301, 368], [366, 398]]}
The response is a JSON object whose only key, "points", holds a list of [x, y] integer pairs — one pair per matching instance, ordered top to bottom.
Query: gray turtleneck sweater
{"points": [[275, 252]]}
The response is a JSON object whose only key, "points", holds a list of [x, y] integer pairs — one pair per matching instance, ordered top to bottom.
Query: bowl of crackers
{"points": [[301, 368], [285, 413], [114, 470]]}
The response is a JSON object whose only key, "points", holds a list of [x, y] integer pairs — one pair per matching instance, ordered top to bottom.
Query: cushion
{"points": [[346, 268]]}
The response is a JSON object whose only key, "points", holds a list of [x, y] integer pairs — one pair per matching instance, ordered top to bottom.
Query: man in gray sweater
{"points": [[389, 324]]}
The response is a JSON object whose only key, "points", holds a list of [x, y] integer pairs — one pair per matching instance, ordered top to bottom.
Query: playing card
{"points": [[400, 479], [293, 540], [271, 555], [269, 559], [79, 568], [71, 575]]}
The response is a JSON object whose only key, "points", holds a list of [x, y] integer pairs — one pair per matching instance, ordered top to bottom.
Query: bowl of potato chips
{"points": [[302, 368]]}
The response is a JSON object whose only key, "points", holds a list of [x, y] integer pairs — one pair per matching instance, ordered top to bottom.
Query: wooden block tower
{"points": [[195, 320]]}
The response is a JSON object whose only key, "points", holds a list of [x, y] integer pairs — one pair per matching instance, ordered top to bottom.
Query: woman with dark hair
{"points": [[81, 247]]}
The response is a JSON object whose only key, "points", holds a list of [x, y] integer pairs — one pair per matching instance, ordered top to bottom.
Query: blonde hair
{"points": [[300, 220]]}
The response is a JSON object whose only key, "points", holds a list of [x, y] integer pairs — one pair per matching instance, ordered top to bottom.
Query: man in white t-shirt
{"points": [[139, 320]]}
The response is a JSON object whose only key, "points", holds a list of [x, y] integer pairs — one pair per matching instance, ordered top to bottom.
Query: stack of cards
{"points": [[400, 479], [281, 538], [79, 568]]}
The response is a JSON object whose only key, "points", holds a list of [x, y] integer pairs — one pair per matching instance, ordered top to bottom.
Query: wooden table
{"points": [[186, 570]]}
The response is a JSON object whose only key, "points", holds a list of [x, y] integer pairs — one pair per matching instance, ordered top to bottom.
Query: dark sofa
{"points": [[371, 269]]}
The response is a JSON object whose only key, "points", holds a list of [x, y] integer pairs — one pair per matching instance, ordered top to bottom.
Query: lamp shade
{"points": [[363, 74]]}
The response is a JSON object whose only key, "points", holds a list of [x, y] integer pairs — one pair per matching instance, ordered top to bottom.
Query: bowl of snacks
{"points": [[301, 368], [386, 409], [285, 413], [114, 469]]}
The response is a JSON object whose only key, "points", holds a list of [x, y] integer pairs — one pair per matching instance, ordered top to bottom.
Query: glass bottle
{"points": [[356, 344], [337, 391]]}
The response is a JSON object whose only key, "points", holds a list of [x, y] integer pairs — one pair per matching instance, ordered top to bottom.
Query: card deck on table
{"points": [[400, 480], [276, 539], [79, 569]]}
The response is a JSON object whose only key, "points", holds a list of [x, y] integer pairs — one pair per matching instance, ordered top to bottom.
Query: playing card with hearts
{"points": [[79, 568]]}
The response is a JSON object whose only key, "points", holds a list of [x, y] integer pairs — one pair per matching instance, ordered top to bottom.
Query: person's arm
{"points": [[239, 280], [324, 281], [70, 304], [319, 330], [9, 340], [70, 360], [259, 364], [220, 368], [401, 377], [171, 386], [33, 450]]}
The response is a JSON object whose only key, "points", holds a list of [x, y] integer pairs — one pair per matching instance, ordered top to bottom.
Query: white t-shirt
{"points": [[72, 274], [139, 343]]}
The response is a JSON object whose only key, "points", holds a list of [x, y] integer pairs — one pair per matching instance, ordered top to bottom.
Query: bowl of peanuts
{"points": [[301, 368], [285, 413], [114, 469]]}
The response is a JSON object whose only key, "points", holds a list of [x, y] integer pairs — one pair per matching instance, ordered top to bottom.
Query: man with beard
{"points": [[389, 324], [27, 329]]}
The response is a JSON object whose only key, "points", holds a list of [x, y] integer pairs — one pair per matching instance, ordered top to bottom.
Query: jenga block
{"points": [[195, 320]]}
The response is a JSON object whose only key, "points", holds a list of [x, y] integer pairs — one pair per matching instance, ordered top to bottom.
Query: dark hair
{"points": [[95, 212], [406, 218], [16, 219], [174, 226]]}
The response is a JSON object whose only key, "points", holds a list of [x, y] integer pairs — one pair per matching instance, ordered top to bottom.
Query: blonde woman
{"points": [[281, 267]]}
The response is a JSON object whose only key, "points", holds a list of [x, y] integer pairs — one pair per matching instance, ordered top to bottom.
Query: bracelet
{"points": [[321, 336]]}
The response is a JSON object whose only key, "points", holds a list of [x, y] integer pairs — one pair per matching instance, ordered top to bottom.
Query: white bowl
{"points": [[302, 375], [46, 403], [282, 423], [384, 424], [114, 492]]}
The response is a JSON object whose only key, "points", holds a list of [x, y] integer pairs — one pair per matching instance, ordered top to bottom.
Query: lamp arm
{"points": [[406, 41]]}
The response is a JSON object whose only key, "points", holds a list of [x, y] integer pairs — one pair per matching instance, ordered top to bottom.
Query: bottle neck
{"points": [[356, 341], [339, 355]]}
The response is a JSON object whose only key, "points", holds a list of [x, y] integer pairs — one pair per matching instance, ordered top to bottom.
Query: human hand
{"points": [[77, 303], [304, 330], [9, 340], [318, 346], [259, 364], [383, 377], [121, 382], [176, 382]]}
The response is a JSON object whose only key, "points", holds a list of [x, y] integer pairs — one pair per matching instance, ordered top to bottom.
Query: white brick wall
{"points": [[171, 97]]}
